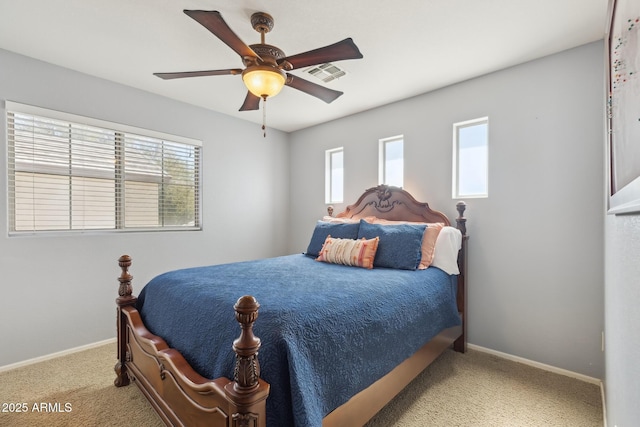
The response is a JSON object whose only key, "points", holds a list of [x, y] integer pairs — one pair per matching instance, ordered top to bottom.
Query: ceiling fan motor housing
{"points": [[269, 54]]}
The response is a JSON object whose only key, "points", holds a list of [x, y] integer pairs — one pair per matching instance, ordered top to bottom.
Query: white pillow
{"points": [[448, 244]]}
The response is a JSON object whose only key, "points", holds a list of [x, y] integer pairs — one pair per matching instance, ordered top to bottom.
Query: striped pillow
{"points": [[356, 253]]}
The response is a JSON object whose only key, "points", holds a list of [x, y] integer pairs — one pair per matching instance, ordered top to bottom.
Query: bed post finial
{"points": [[461, 220], [125, 278], [247, 370]]}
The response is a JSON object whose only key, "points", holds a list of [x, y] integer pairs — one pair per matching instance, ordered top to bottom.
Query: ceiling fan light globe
{"points": [[263, 81]]}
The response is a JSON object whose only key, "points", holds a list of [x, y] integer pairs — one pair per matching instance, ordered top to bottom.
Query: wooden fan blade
{"points": [[212, 21], [345, 49], [168, 76], [326, 94], [251, 102]]}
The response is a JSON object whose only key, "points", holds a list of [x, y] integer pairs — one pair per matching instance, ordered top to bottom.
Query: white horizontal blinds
{"points": [[63, 175], [71, 176], [143, 181], [161, 183], [179, 196]]}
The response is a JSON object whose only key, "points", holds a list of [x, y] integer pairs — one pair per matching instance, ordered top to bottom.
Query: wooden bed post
{"points": [[461, 221], [125, 299], [460, 344], [247, 391]]}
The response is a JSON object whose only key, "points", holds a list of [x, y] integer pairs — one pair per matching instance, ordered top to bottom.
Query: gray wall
{"points": [[536, 249], [58, 292], [622, 319]]}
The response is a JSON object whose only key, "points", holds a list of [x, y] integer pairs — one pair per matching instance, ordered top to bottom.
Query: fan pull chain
{"points": [[264, 116]]}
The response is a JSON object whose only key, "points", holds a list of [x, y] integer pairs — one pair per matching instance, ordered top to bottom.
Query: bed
{"points": [[336, 342]]}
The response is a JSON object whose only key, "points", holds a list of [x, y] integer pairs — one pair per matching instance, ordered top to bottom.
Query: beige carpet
{"points": [[473, 389]]}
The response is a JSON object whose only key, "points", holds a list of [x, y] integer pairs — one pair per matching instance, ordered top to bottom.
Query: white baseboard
{"points": [[56, 355], [539, 365]]}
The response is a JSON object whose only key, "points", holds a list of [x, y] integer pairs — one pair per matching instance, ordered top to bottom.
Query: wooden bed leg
{"points": [[124, 299], [460, 345], [247, 391]]}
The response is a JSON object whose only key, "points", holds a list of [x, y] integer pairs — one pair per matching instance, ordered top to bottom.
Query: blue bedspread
{"points": [[327, 331]]}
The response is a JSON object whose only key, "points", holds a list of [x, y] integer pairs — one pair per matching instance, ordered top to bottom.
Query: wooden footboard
{"points": [[180, 395]]}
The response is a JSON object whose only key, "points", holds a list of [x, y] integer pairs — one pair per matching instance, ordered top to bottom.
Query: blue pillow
{"points": [[336, 230], [400, 245]]}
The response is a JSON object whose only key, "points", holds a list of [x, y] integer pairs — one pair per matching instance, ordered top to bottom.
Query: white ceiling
{"points": [[409, 46]]}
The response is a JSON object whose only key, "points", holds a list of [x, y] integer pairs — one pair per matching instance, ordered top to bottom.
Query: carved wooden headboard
{"points": [[392, 203]]}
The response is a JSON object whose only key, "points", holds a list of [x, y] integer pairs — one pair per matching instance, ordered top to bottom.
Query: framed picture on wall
{"points": [[623, 105]]}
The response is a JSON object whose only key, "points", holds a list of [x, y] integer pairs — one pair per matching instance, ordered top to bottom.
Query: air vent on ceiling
{"points": [[327, 72]]}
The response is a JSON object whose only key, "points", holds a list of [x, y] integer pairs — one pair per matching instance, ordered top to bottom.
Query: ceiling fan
{"points": [[266, 66]]}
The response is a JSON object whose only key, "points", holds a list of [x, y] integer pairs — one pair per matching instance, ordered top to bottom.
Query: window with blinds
{"points": [[74, 173]]}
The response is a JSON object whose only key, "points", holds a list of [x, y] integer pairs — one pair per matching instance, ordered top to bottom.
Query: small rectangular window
{"points": [[471, 158], [391, 161], [68, 172], [334, 175]]}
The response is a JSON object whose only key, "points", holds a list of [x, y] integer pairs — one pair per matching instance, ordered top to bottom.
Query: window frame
{"points": [[121, 133], [382, 159], [329, 175], [455, 188]]}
